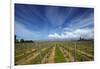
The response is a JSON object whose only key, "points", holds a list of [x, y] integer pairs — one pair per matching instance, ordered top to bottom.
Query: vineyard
{"points": [[53, 52]]}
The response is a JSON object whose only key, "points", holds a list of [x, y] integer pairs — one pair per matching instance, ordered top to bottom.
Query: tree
{"points": [[15, 38], [21, 40]]}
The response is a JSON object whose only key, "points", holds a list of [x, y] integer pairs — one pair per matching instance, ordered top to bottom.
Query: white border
{"points": [[73, 3], [76, 3], [4, 34], [12, 36]]}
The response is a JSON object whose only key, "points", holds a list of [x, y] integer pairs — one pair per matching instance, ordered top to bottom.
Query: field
{"points": [[53, 52]]}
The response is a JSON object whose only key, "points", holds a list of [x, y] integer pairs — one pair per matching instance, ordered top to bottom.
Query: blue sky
{"points": [[41, 22]]}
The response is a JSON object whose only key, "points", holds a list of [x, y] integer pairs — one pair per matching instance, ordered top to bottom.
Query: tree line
{"points": [[22, 40]]}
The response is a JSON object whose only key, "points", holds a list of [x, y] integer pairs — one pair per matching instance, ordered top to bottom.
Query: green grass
{"points": [[59, 57]]}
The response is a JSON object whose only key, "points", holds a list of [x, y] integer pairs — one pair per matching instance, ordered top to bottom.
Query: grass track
{"points": [[59, 57]]}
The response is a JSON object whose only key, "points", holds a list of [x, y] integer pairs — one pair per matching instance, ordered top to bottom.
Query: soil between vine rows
{"points": [[53, 52]]}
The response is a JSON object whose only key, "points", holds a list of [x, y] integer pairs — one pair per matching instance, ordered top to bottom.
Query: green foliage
{"points": [[59, 57]]}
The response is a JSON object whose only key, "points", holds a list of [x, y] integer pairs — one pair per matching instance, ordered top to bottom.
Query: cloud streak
{"points": [[42, 22], [22, 31]]}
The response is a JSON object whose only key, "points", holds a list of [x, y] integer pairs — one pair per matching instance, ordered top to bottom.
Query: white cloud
{"points": [[85, 33], [75, 34], [55, 35]]}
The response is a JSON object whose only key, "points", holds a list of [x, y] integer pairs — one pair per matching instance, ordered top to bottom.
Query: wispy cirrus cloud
{"points": [[39, 22], [22, 31]]}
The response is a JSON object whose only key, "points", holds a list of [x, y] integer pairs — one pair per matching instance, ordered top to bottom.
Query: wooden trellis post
{"points": [[75, 52], [40, 53]]}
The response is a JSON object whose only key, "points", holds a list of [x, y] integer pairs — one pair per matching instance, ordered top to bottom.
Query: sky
{"points": [[44, 22]]}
